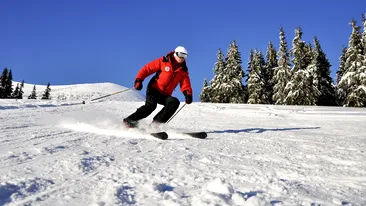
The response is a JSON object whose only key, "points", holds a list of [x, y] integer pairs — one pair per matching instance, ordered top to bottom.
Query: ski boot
{"points": [[130, 123]]}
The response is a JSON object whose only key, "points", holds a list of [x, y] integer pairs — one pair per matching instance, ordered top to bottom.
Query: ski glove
{"points": [[138, 84], [189, 98]]}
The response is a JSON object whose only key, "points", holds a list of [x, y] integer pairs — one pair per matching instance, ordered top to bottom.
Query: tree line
{"points": [[296, 76], [7, 91]]}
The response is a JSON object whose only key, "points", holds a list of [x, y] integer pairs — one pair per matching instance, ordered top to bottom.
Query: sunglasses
{"points": [[181, 55]]}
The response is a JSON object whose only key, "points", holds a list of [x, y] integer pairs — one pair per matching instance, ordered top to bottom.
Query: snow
{"points": [[79, 92], [56, 152]]}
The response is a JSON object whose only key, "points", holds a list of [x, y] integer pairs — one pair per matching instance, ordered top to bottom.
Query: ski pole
{"points": [[109, 95], [176, 113]]}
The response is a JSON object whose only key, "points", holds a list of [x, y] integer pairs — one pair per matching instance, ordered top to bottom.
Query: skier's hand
{"points": [[138, 84], [189, 98]]}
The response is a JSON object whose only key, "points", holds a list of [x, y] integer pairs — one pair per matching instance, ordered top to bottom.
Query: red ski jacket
{"points": [[168, 75]]}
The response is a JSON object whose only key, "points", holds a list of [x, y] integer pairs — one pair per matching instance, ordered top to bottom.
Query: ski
{"points": [[159, 135], [164, 135], [199, 135]]}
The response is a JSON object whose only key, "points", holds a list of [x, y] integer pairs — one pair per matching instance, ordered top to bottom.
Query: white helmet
{"points": [[181, 49], [181, 52]]}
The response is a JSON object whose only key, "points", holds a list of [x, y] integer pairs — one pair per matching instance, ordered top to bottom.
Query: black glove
{"points": [[138, 84], [189, 98]]}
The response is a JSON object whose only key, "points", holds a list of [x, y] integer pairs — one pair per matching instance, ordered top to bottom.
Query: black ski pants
{"points": [[154, 97]]}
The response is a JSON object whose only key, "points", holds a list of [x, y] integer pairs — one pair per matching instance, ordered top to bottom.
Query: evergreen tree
{"points": [[364, 33], [309, 55], [271, 64], [249, 65], [320, 66], [341, 69], [362, 70], [282, 71], [234, 75], [246, 75], [4, 80], [352, 81], [9, 85], [256, 85], [1, 89], [301, 89], [16, 92], [205, 93], [216, 93], [360, 93], [46, 94], [341, 94], [20, 95], [33, 95]]}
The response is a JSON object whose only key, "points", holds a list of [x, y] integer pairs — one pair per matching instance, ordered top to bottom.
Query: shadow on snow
{"points": [[261, 130]]}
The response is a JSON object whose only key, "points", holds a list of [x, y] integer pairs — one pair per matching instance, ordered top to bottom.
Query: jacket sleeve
{"points": [[149, 69], [185, 85]]}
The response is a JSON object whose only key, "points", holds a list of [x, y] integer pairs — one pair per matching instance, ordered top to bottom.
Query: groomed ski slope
{"points": [[253, 155]]}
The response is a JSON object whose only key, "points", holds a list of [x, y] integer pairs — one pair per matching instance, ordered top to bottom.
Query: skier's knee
{"points": [[174, 102], [151, 107]]}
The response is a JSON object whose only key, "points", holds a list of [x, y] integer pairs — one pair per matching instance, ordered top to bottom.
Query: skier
{"points": [[169, 71]]}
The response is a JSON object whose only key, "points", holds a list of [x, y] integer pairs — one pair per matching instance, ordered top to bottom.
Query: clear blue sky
{"points": [[89, 41]]}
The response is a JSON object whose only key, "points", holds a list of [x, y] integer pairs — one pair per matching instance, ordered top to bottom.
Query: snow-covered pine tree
{"points": [[363, 38], [308, 54], [271, 64], [249, 65], [320, 67], [341, 68], [282, 72], [234, 74], [246, 75], [352, 81], [3, 82], [256, 84], [9, 85], [301, 89], [361, 90], [16, 92], [205, 93], [340, 93], [46, 94], [20, 95], [33, 95], [216, 95]]}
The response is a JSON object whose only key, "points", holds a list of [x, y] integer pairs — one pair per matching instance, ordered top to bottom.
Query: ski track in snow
{"points": [[254, 155]]}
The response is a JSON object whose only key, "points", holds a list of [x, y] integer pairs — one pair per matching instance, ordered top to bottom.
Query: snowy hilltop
{"points": [[77, 92], [71, 94], [61, 152]]}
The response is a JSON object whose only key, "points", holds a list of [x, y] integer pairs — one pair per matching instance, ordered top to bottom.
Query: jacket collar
{"points": [[167, 58]]}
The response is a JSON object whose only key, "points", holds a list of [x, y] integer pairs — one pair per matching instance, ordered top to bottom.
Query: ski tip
{"points": [[160, 135], [199, 135], [202, 135]]}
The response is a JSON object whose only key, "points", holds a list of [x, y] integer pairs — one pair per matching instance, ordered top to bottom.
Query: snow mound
{"points": [[221, 192]]}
